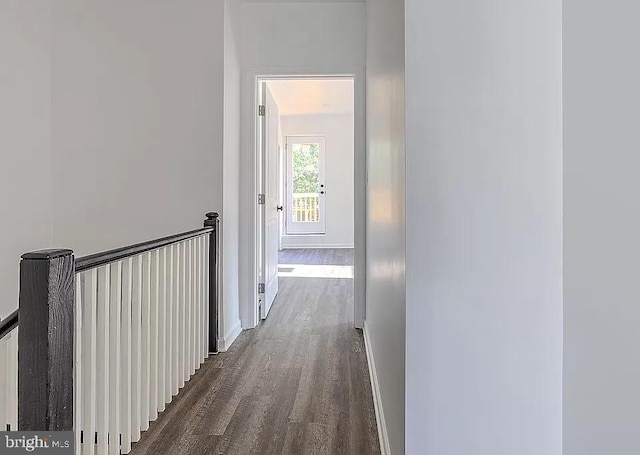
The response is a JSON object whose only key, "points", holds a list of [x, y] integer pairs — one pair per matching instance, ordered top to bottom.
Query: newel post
{"points": [[214, 278], [45, 341]]}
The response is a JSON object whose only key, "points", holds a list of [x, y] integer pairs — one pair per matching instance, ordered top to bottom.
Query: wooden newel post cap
{"points": [[212, 219], [48, 254]]}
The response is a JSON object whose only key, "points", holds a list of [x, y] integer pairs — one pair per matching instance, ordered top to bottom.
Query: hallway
{"points": [[297, 384]]}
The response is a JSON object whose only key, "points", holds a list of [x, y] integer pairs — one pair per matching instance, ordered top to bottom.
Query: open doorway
{"points": [[305, 176]]}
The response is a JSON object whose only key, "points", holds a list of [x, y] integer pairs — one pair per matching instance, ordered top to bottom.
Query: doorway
{"points": [[305, 156]]}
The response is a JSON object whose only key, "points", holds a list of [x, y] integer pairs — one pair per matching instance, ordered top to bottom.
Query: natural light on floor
{"points": [[315, 271]]}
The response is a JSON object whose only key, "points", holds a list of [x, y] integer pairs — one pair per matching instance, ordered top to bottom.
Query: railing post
{"points": [[214, 278], [45, 341]]}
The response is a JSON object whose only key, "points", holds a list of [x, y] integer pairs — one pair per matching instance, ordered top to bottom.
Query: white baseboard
{"points": [[246, 325], [227, 340], [377, 400]]}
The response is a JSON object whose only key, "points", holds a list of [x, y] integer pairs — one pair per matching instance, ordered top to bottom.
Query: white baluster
{"points": [[207, 240], [89, 302], [195, 304], [198, 306], [194, 310], [178, 313], [189, 313], [170, 322], [115, 323], [162, 327], [153, 335], [78, 337], [146, 348], [136, 349], [175, 356], [102, 358], [182, 360], [4, 370], [9, 382], [12, 408], [126, 426]]}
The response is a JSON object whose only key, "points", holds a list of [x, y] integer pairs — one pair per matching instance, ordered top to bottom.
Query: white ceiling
{"points": [[313, 96]]}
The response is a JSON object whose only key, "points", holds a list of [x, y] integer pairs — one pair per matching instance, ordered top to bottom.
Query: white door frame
{"points": [[248, 277]]}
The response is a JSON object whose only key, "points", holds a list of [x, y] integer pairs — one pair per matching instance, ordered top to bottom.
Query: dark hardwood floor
{"points": [[297, 384]]}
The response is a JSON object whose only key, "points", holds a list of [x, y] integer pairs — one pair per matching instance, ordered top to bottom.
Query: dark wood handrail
{"points": [[106, 257], [8, 324]]}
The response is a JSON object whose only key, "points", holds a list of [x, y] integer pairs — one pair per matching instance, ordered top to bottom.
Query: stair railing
{"points": [[105, 341]]}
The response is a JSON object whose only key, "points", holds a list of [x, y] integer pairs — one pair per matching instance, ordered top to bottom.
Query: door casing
{"points": [[249, 184]]}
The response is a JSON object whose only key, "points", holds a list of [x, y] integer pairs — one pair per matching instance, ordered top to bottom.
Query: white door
{"points": [[305, 185], [270, 186]]}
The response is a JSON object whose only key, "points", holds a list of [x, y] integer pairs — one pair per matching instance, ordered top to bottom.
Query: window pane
{"points": [[306, 181]]}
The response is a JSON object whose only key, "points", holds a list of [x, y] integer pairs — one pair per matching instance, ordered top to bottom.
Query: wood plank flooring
{"points": [[297, 384]]}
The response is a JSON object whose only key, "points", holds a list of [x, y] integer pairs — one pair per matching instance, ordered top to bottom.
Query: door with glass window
{"points": [[305, 185]]}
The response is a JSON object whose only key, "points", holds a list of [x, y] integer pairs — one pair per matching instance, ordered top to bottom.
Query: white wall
{"points": [[303, 35], [287, 38], [137, 119], [112, 123], [146, 126], [25, 130], [338, 133], [601, 226], [484, 227], [230, 317], [385, 317]]}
